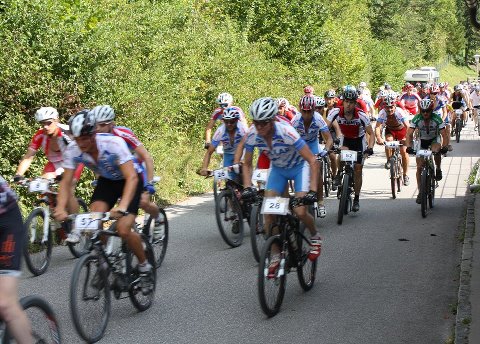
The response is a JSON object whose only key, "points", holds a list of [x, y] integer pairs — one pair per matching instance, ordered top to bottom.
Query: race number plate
{"points": [[458, 112], [392, 144], [219, 149], [424, 153], [348, 155], [220, 174], [260, 175], [38, 185], [275, 205], [88, 221]]}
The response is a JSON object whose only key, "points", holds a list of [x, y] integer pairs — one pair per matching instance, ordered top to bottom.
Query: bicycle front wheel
{"points": [[458, 128], [399, 172], [327, 177], [393, 177], [431, 190], [423, 191], [343, 204], [228, 213], [257, 231], [158, 238], [38, 244], [83, 246], [306, 269], [271, 279], [89, 299]]}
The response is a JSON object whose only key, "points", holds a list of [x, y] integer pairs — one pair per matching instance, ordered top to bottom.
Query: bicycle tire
{"points": [[478, 125], [458, 128], [399, 173], [393, 177], [327, 178], [215, 189], [431, 190], [423, 192], [343, 204], [228, 211], [257, 232], [159, 245], [82, 247], [37, 254], [90, 262], [306, 269], [266, 283], [140, 299], [46, 315]]}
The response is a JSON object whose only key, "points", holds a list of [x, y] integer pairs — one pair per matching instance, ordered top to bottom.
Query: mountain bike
{"points": [[396, 167], [428, 184], [346, 188], [230, 211], [42, 227], [258, 235], [158, 238], [293, 248], [105, 270], [44, 323]]}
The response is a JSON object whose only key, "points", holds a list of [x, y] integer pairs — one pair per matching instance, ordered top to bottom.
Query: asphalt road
{"points": [[386, 275]]}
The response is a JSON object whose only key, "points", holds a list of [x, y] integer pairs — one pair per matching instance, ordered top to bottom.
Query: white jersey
{"points": [[475, 98], [311, 135], [221, 136], [286, 143], [112, 152]]}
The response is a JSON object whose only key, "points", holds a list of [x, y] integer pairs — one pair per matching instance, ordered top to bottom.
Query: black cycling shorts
{"points": [[358, 144], [425, 144], [109, 191], [12, 237]]}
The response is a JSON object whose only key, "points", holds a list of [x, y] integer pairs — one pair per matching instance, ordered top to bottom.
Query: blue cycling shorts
{"points": [[313, 146], [228, 161], [278, 178]]}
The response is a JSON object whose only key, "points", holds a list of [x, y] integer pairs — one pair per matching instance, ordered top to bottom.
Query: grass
{"points": [[453, 74], [471, 178]]}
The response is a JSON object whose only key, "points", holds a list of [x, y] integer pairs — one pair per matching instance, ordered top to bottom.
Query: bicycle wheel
{"points": [[478, 124], [458, 128], [399, 172], [393, 177], [327, 178], [431, 190], [423, 191], [343, 204], [228, 213], [257, 232], [158, 240], [82, 247], [38, 248], [306, 269], [271, 284], [142, 289], [89, 299], [45, 328]]}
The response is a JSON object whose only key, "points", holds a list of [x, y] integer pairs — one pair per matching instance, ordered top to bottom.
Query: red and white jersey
{"points": [[350, 128], [130, 139], [42, 140]]}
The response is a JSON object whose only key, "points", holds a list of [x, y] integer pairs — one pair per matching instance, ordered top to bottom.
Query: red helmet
{"points": [[308, 89], [307, 102]]}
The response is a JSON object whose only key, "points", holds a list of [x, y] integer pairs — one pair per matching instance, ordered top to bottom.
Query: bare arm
{"points": [[208, 131], [378, 133], [371, 136], [409, 137], [327, 138], [239, 150], [307, 154], [145, 156], [206, 160], [25, 162], [247, 169], [64, 194]]}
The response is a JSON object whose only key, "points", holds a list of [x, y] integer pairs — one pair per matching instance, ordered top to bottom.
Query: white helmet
{"points": [[362, 84], [224, 98], [283, 102], [426, 104], [263, 109], [45, 113], [103, 113], [231, 113], [83, 123]]}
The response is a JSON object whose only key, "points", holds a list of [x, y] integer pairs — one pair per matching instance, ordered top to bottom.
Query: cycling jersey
{"points": [[475, 98], [410, 101], [360, 103], [218, 113], [394, 122], [350, 128], [430, 131], [311, 135], [128, 136], [222, 136], [42, 140], [286, 143], [112, 152], [8, 198]]}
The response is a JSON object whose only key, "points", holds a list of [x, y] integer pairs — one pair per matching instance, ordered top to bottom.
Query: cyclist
{"points": [[308, 90], [475, 99], [224, 100], [410, 100], [459, 101], [331, 102], [440, 108], [285, 110], [104, 120], [396, 123], [309, 124], [354, 124], [431, 129], [229, 134], [53, 139], [291, 159], [120, 178], [12, 236]]}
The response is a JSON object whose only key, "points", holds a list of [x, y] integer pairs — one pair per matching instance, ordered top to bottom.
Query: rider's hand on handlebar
{"points": [[206, 145], [444, 150], [368, 151], [410, 151], [323, 153], [203, 172], [18, 178], [150, 189], [249, 193], [311, 197], [117, 213], [60, 214]]}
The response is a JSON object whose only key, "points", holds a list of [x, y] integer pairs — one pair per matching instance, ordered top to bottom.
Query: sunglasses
{"points": [[223, 105], [389, 107], [229, 121], [46, 123], [261, 123], [103, 124]]}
